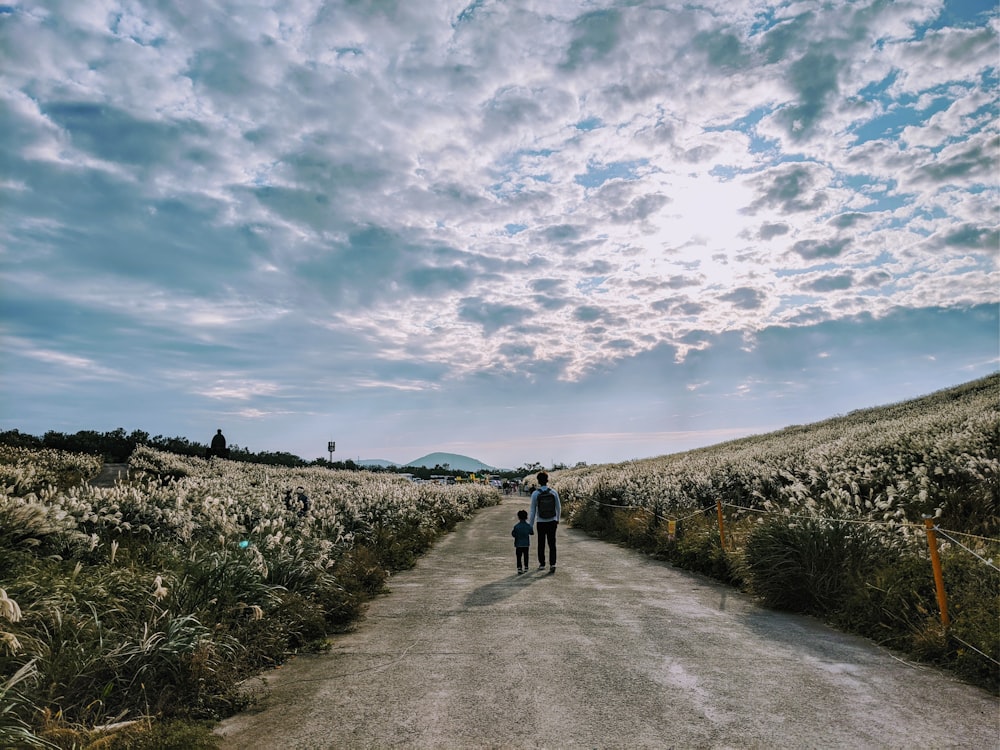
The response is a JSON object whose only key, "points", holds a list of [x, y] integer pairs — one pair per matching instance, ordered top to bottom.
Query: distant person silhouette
{"points": [[218, 446], [300, 503]]}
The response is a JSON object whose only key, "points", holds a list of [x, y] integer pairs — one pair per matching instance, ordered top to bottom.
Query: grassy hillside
{"points": [[828, 519]]}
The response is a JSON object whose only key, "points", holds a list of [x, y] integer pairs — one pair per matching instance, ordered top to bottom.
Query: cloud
{"points": [[595, 36], [724, 49], [813, 77], [113, 135], [973, 161], [789, 189], [274, 206], [848, 220], [770, 231], [970, 236], [816, 249], [875, 279], [831, 283], [744, 298], [492, 317], [69, 365], [239, 390]]}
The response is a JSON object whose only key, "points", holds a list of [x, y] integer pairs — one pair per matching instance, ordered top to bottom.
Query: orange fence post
{"points": [[722, 529], [938, 575]]}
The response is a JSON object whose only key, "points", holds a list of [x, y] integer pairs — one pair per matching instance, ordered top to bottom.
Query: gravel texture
{"points": [[613, 650]]}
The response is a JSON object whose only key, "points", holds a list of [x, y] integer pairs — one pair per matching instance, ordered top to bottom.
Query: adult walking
{"points": [[219, 447], [545, 510]]}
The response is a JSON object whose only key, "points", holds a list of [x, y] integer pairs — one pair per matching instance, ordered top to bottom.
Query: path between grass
{"points": [[109, 474], [614, 650]]}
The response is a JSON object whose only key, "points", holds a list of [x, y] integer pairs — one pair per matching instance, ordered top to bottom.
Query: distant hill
{"points": [[452, 460], [380, 462]]}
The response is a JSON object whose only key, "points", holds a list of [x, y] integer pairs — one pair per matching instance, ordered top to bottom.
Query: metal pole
{"points": [[938, 574]]}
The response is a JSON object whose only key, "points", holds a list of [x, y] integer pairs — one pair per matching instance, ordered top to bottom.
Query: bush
{"points": [[701, 550], [810, 565], [845, 574], [973, 591], [16, 709], [134, 735]]}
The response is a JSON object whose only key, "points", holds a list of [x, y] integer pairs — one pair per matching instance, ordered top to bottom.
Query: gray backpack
{"points": [[545, 504]]}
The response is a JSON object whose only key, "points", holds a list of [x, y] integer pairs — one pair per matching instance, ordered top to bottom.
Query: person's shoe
{"points": [[541, 566], [552, 568], [520, 570]]}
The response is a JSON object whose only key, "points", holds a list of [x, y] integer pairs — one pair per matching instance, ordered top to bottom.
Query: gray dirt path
{"points": [[110, 473], [615, 650]]}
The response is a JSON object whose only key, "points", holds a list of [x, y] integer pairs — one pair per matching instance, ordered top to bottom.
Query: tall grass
{"points": [[828, 519], [155, 598]]}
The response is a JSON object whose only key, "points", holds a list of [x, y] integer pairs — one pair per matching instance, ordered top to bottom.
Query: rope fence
{"points": [[647, 510], [862, 521], [947, 533], [973, 648]]}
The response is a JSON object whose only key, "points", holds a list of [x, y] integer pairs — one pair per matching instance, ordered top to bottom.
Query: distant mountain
{"points": [[453, 460]]}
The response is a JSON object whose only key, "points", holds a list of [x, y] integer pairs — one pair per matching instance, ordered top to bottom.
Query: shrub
{"points": [[701, 550], [810, 565], [221, 586], [973, 591], [16, 708], [131, 735]]}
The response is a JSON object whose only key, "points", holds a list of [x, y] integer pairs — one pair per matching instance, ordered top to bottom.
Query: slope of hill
{"points": [[452, 460], [380, 462]]}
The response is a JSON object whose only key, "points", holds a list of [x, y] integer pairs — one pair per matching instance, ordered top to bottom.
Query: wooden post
{"points": [[722, 529], [938, 575]]}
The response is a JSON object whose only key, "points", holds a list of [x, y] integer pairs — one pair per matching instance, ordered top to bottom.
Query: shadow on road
{"points": [[497, 591]]}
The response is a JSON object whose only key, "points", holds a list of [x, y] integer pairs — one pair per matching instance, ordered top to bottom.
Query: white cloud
{"points": [[943, 56], [419, 196], [70, 364], [237, 389]]}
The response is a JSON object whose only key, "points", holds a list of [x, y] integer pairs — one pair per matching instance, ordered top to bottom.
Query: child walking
{"points": [[522, 532]]}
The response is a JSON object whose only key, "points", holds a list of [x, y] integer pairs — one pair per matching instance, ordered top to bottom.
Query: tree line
{"points": [[116, 446]]}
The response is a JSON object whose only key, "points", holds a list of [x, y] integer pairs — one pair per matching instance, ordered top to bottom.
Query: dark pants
{"points": [[546, 532], [522, 555]]}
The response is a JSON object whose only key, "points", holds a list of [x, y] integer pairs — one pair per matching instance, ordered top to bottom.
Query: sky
{"points": [[546, 232]]}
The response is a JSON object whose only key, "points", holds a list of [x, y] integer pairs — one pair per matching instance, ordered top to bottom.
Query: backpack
{"points": [[545, 504]]}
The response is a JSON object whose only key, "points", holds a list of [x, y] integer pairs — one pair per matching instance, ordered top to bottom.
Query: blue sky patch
{"points": [[590, 123], [597, 174], [590, 285]]}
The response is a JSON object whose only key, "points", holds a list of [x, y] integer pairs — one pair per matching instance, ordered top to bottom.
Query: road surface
{"points": [[614, 650]]}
